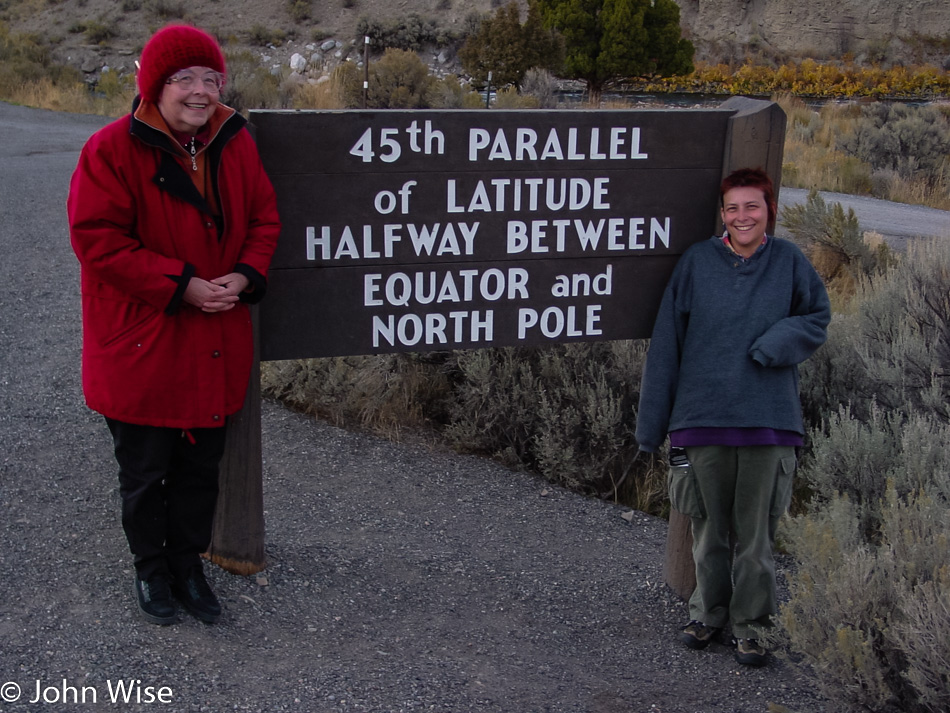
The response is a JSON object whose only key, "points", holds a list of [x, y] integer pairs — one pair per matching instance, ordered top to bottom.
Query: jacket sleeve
{"points": [[102, 218], [263, 227], [792, 340], [661, 371]]}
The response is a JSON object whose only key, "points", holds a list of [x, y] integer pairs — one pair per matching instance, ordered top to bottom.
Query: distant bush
{"points": [[166, 9], [299, 10], [98, 32], [412, 32], [263, 36], [399, 80], [114, 85], [541, 85], [251, 86], [450, 93], [913, 142], [893, 151]]}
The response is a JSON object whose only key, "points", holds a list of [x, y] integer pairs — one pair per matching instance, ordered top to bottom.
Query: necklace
{"points": [[194, 164]]}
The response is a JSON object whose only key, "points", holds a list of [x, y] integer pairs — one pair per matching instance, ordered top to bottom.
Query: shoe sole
{"points": [[203, 616], [160, 620], [694, 643], [697, 644], [755, 660]]}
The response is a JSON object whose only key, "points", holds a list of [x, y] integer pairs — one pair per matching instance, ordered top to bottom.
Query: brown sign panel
{"points": [[422, 230]]}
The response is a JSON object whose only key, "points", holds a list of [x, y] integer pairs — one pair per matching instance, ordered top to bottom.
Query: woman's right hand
{"points": [[209, 297]]}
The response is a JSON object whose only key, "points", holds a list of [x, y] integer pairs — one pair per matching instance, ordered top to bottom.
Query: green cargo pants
{"points": [[742, 490]]}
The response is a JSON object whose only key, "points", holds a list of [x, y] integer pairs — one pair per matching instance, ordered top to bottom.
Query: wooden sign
{"points": [[423, 230], [414, 231]]}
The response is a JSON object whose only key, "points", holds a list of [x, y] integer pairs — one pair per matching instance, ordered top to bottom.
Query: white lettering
{"points": [[555, 322], [408, 330]]}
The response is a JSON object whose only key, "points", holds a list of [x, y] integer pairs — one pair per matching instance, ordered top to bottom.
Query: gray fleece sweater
{"points": [[727, 341]]}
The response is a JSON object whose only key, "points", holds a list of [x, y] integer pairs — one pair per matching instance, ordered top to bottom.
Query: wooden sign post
{"points": [[433, 230]]}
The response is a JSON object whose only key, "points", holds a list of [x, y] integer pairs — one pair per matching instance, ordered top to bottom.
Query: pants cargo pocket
{"points": [[684, 492], [782, 497]]}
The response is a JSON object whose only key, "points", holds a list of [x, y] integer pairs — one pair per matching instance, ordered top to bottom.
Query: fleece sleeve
{"points": [[793, 339], [661, 371]]}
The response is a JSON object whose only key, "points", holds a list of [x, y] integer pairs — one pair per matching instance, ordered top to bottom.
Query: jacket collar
{"points": [[148, 125]]}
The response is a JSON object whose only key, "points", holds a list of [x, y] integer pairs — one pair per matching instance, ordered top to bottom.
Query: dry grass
{"points": [[74, 98], [813, 159]]}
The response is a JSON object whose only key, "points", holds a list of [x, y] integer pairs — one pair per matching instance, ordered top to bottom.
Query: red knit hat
{"points": [[174, 48]]}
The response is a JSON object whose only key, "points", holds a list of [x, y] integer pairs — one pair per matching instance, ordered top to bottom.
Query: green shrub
{"points": [[166, 9], [299, 10], [412, 32], [98, 33], [264, 36], [399, 80], [113, 84], [249, 85], [541, 85], [450, 93], [909, 140], [834, 242], [385, 393], [565, 411], [870, 597]]}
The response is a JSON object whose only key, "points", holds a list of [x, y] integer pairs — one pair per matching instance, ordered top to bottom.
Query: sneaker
{"points": [[195, 594], [155, 600], [697, 635], [750, 653]]}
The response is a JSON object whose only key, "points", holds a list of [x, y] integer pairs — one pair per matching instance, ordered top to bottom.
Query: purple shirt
{"points": [[734, 437]]}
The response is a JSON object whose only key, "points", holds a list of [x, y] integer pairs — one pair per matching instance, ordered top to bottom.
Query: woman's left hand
{"points": [[234, 283]]}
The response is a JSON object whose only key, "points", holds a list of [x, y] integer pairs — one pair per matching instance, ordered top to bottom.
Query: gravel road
{"points": [[400, 578]]}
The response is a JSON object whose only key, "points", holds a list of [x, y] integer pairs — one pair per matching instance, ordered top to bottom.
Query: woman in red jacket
{"points": [[174, 223]]}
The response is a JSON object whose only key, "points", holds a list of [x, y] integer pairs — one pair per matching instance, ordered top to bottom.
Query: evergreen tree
{"points": [[609, 40], [508, 49]]}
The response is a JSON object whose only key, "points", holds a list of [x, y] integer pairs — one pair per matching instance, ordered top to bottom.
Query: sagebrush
{"points": [[871, 591]]}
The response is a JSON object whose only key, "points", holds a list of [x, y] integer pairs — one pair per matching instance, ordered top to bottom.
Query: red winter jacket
{"points": [[141, 230]]}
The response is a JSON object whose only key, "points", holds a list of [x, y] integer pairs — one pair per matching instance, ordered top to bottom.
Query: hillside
{"points": [[236, 22], [92, 34]]}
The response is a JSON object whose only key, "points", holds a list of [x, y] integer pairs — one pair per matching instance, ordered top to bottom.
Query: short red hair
{"points": [[751, 178]]}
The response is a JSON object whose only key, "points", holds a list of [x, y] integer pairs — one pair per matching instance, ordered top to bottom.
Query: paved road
{"points": [[898, 222]]}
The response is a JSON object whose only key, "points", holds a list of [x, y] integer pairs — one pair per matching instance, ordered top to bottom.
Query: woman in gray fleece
{"points": [[739, 314]]}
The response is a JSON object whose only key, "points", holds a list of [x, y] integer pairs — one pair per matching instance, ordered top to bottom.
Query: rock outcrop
{"points": [[812, 28]]}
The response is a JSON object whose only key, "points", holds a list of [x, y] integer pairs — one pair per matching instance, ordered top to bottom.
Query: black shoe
{"points": [[195, 594], [155, 600], [697, 635], [750, 653]]}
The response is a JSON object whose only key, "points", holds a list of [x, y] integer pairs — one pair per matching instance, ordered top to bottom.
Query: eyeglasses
{"points": [[212, 82]]}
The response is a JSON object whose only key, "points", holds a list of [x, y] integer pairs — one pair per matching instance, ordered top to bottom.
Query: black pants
{"points": [[168, 479]]}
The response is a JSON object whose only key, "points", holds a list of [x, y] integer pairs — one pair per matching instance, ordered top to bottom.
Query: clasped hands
{"points": [[217, 295]]}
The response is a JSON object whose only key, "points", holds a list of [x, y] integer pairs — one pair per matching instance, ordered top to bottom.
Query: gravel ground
{"points": [[400, 578]]}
